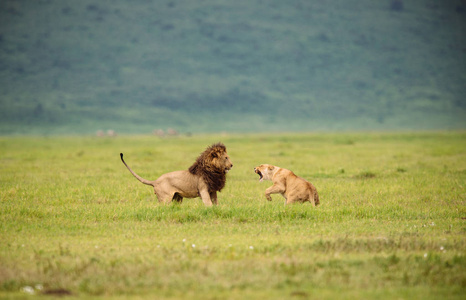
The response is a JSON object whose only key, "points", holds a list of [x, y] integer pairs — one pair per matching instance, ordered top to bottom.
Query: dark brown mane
{"points": [[213, 175]]}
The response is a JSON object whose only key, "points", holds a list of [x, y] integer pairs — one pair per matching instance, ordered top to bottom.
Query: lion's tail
{"points": [[145, 181]]}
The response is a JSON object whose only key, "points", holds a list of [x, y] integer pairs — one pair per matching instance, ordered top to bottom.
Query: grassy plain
{"points": [[391, 224]]}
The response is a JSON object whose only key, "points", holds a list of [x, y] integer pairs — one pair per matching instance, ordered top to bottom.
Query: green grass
{"points": [[390, 225]]}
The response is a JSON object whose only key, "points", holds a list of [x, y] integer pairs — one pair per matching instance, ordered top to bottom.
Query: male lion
{"points": [[203, 179], [286, 183]]}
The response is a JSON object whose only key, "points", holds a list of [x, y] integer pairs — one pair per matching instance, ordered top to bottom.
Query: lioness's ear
{"points": [[271, 168]]}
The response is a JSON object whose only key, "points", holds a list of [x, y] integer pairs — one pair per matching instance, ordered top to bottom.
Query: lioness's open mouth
{"points": [[260, 174]]}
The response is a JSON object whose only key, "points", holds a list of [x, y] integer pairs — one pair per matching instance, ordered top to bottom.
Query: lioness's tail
{"points": [[145, 181], [314, 195], [316, 198]]}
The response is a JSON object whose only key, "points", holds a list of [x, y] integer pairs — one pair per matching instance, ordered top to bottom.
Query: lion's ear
{"points": [[214, 154], [271, 168]]}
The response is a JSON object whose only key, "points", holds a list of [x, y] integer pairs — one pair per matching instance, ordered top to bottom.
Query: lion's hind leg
{"points": [[165, 197], [177, 198]]}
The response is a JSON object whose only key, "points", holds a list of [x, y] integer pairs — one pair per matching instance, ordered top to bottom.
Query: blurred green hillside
{"points": [[247, 65]]}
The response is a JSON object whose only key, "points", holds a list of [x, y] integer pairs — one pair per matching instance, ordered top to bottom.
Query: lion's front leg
{"points": [[274, 189], [205, 196], [213, 198]]}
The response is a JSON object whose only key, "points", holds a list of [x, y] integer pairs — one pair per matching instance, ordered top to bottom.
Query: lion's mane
{"points": [[211, 167]]}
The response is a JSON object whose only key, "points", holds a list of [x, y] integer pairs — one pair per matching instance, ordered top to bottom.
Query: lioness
{"points": [[204, 179], [286, 183]]}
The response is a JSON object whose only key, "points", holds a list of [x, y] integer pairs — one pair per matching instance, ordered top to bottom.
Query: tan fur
{"points": [[204, 179], [286, 183]]}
